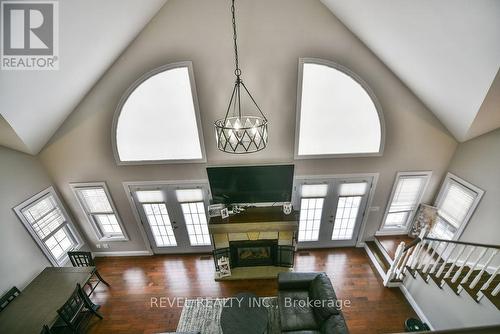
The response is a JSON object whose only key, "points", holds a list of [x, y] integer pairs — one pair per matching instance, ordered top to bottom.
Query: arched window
{"points": [[337, 113], [157, 119]]}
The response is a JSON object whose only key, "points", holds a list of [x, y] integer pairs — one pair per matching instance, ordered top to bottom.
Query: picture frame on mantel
{"points": [[425, 216], [224, 267]]}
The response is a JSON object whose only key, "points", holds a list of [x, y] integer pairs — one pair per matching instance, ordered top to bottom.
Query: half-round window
{"points": [[338, 115], [157, 119]]}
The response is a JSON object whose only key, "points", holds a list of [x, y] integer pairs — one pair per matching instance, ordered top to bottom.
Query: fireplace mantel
{"points": [[259, 225]]}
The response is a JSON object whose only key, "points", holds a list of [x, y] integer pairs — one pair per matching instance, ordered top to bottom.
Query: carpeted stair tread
{"points": [[495, 300]]}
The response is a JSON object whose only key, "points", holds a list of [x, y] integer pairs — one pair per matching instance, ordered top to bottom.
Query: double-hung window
{"points": [[406, 195], [96, 202], [456, 203], [48, 223]]}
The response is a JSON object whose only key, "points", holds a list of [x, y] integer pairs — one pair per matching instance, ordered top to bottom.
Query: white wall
{"points": [[272, 34], [478, 162], [21, 176], [445, 310]]}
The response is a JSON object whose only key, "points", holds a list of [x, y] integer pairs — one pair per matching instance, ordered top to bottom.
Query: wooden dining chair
{"points": [[84, 259], [8, 297], [77, 311], [46, 330]]}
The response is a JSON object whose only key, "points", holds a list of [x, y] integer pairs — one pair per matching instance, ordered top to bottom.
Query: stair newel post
{"points": [[418, 248], [434, 250], [464, 263], [394, 266], [443, 266], [402, 268], [478, 277], [487, 284]]}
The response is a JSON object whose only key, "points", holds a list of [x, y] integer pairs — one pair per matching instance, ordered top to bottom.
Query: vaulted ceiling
{"points": [[92, 34], [447, 52]]}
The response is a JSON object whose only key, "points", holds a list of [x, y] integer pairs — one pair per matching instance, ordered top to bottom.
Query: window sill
{"points": [[392, 231], [112, 239]]}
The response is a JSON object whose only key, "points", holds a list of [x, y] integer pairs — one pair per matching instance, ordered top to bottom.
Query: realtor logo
{"points": [[29, 35]]}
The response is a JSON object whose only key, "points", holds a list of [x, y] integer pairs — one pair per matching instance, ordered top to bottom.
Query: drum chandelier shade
{"points": [[239, 133]]}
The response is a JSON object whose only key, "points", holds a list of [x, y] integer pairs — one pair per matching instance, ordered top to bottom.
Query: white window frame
{"points": [[362, 83], [132, 88], [399, 175], [475, 203], [68, 223], [97, 230]]}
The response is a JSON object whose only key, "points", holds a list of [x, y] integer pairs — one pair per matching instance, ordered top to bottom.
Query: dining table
{"points": [[38, 303]]}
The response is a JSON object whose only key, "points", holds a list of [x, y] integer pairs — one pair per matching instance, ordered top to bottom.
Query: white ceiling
{"points": [[92, 34], [446, 51]]}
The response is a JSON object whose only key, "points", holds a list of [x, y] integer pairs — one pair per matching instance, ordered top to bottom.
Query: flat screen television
{"points": [[251, 184]]}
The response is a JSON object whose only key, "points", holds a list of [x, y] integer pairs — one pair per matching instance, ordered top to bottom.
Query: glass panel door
{"points": [[331, 210], [174, 217]]}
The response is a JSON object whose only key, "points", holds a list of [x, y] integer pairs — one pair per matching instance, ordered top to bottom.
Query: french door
{"points": [[331, 210], [174, 216]]}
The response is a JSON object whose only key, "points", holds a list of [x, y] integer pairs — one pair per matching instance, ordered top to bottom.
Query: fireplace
{"points": [[253, 253]]}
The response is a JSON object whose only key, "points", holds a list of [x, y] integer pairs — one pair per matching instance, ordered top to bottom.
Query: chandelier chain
{"points": [[237, 71]]}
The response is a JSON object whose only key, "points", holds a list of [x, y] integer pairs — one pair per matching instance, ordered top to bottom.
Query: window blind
{"points": [[407, 193], [456, 203]]}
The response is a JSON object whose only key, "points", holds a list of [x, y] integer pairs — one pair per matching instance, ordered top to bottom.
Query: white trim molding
{"points": [[364, 86], [132, 88], [82, 185], [397, 231], [123, 253]]}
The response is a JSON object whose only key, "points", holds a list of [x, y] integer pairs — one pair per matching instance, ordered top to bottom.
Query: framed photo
{"points": [[426, 215]]}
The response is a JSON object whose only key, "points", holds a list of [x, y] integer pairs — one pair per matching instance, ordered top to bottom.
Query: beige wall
{"points": [[273, 34], [478, 162], [21, 176]]}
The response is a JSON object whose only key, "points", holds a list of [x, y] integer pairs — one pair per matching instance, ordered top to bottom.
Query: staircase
{"points": [[466, 268]]}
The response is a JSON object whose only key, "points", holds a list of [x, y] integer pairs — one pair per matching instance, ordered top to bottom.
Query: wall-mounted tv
{"points": [[251, 184]]}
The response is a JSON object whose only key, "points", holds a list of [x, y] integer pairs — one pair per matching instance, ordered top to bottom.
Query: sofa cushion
{"points": [[295, 280], [321, 293], [295, 311], [334, 325]]}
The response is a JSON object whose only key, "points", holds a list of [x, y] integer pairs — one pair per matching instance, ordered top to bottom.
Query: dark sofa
{"points": [[305, 304]]}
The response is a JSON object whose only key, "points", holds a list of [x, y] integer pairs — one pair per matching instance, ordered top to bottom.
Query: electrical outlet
{"points": [[98, 245]]}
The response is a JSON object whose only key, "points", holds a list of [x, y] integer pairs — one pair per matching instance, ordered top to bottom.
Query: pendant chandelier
{"points": [[240, 133]]}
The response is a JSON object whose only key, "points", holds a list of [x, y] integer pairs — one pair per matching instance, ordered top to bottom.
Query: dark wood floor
{"points": [[391, 242], [126, 306]]}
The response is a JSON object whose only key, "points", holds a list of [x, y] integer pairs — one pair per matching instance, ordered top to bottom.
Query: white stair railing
{"points": [[448, 261]]}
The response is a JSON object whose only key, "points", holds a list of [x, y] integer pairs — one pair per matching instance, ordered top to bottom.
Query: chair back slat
{"points": [[81, 259], [8, 297], [72, 307]]}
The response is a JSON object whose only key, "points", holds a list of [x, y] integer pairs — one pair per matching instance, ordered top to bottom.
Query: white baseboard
{"points": [[123, 253], [415, 306]]}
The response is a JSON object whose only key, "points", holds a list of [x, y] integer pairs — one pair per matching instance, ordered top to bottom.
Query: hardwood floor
{"points": [[391, 242], [126, 306]]}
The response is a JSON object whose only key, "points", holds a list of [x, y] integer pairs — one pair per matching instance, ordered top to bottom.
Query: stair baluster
{"points": [[443, 266], [473, 268], [459, 271], [478, 277]]}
